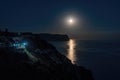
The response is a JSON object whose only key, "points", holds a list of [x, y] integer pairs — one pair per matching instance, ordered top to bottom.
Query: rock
{"points": [[53, 37], [49, 64]]}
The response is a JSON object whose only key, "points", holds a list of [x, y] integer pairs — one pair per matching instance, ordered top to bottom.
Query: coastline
{"points": [[50, 64]]}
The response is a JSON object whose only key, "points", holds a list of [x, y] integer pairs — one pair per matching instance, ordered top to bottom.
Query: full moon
{"points": [[70, 21]]}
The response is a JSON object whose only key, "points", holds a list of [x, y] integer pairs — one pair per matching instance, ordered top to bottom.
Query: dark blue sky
{"points": [[40, 15]]}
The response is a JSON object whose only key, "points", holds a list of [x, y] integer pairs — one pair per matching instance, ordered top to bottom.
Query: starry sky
{"points": [[45, 15]]}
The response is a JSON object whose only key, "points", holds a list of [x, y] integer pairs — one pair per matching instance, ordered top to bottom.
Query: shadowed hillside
{"points": [[38, 60]]}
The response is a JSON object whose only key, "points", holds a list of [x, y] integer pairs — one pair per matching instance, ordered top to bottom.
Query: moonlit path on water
{"points": [[71, 51], [102, 57]]}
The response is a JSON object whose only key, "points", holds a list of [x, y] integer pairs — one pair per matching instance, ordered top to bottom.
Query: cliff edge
{"points": [[38, 60]]}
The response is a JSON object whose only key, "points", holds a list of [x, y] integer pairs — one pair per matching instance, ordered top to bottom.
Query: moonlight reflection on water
{"points": [[71, 50]]}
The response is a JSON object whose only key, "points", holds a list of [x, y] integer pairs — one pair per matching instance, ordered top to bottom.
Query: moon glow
{"points": [[70, 21]]}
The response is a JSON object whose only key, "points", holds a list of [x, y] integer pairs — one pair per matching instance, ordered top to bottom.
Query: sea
{"points": [[102, 57]]}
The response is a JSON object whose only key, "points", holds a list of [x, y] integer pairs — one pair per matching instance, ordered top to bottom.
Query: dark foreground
{"points": [[39, 60]]}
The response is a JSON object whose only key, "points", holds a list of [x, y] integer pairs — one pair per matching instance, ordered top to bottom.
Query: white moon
{"points": [[70, 21]]}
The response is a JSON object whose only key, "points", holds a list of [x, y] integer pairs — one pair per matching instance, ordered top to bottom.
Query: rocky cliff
{"points": [[53, 37], [38, 60]]}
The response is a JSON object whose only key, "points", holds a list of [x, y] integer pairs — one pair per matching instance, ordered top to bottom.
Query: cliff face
{"points": [[44, 36], [53, 37], [39, 60]]}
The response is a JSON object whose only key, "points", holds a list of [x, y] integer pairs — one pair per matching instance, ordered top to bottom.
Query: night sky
{"points": [[44, 15]]}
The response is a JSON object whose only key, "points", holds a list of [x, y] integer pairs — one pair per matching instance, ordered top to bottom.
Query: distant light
{"points": [[25, 43], [20, 45]]}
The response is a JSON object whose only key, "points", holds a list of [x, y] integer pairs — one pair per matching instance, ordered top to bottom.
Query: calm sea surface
{"points": [[102, 57]]}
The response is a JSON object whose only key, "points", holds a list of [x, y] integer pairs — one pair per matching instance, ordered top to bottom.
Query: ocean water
{"points": [[102, 57]]}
